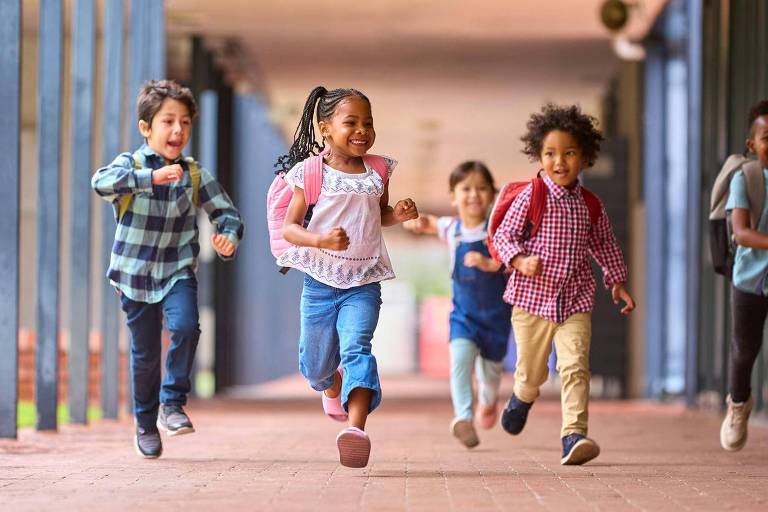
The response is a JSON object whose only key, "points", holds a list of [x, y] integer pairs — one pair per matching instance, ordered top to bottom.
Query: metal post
{"points": [[83, 43], [10, 96], [112, 122], [49, 155]]}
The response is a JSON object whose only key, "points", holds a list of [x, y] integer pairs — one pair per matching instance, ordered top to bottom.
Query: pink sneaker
{"points": [[332, 406], [487, 415], [354, 447]]}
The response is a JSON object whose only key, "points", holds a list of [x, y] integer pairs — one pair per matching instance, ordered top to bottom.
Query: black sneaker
{"points": [[515, 415], [172, 420], [148, 443], [578, 449]]}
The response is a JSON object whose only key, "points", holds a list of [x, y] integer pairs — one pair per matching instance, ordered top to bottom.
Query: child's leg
{"points": [[748, 313], [181, 319], [356, 322], [145, 323], [533, 336], [572, 339], [318, 341], [463, 353], [488, 379]]}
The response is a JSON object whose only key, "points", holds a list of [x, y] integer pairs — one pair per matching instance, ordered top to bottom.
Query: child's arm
{"points": [[121, 177], [404, 210], [222, 213], [424, 224], [294, 232], [744, 234], [507, 240], [607, 253], [476, 259]]}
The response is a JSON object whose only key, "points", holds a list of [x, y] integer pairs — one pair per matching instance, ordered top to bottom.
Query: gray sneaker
{"points": [[172, 420], [464, 431], [733, 432], [147, 442]]}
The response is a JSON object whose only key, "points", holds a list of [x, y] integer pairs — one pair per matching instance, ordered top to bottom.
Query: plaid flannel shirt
{"points": [[156, 241], [564, 242]]}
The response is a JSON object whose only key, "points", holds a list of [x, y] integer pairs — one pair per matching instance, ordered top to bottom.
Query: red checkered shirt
{"points": [[564, 242]]}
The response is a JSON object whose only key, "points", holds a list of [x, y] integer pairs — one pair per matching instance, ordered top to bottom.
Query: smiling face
{"points": [[349, 131], [168, 132], [758, 141], [562, 158], [472, 196]]}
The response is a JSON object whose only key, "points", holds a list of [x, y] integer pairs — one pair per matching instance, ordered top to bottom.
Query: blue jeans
{"points": [[145, 322], [337, 327], [465, 354]]}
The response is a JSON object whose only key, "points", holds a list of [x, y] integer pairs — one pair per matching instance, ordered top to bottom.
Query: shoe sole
{"points": [[464, 431], [178, 432], [354, 450], [582, 452], [142, 454]]}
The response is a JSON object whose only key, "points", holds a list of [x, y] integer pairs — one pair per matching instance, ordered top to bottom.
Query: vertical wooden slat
{"points": [[83, 41], [10, 98], [112, 123], [49, 154]]}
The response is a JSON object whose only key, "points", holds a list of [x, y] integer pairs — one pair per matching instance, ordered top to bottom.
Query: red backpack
{"points": [[535, 211]]}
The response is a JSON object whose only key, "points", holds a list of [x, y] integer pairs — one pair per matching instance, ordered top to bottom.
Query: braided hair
{"points": [[304, 142]]}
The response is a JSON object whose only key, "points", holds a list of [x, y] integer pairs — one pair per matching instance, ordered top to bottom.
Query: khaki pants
{"points": [[533, 336]]}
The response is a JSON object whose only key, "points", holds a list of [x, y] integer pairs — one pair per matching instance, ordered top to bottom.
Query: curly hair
{"points": [[571, 119]]}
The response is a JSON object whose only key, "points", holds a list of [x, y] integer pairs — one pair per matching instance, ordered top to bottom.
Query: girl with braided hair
{"points": [[342, 254]]}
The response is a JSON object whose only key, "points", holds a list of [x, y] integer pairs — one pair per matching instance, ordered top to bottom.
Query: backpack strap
{"points": [[378, 164], [313, 176], [755, 181], [124, 202], [593, 205], [536, 208]]}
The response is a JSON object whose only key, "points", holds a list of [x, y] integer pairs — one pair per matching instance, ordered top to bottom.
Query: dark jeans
{"points": [[749, 312], [145, 322]]}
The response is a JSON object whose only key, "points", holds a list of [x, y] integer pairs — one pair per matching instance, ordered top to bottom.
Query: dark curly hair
{"points": [[757, 110], [564, 118]]}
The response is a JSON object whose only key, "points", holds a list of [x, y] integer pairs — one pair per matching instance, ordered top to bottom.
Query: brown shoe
{"points": [[464, 431]]}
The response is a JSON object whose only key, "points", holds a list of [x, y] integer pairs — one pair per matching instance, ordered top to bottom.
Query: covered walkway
{"points": [[275, 451]]}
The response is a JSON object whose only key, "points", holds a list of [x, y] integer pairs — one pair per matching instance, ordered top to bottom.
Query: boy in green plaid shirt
{"points": [[156, 193]]}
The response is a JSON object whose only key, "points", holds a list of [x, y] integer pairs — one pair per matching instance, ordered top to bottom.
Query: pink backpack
{"points": [[280, 194]]}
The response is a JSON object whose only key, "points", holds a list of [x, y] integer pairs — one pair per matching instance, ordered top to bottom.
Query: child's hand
{"points": [[167, 174], [404, 210], [418, 225], [336, 240], [222, 245], [476, 259], [527, 265], [619, 292]]}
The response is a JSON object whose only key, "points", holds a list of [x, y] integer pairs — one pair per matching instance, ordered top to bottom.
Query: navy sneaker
{"points": [[515, 415], [172, 420], [148, 443], [578, 449]]}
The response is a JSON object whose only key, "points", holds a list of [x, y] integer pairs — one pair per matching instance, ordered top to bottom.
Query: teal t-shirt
{"points": [[750, 268]]}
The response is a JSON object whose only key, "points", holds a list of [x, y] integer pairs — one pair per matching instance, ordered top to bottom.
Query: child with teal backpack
{"points": [[341, 252], [480, 319]]}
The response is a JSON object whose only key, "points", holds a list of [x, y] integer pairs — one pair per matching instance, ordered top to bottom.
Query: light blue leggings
{"points": [[465, 356]]}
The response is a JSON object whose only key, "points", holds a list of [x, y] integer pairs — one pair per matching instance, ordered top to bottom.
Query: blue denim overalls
{"points": [[479, 312]]}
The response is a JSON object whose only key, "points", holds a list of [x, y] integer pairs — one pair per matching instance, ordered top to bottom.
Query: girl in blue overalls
{"points": [[480, 320]]}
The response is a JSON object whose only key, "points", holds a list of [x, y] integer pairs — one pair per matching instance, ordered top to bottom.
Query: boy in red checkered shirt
{"points": [[551, 288]]}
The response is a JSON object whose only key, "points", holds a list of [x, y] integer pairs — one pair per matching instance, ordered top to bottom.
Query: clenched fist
{"points": [[167, 174], [405, 209], [336, 240], [222, 245], [527, 265]]}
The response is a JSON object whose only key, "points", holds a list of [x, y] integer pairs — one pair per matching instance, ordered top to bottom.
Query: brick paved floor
{"points": [[276, 452]]}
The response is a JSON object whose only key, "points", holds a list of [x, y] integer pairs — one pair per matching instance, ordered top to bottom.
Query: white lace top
{"points": [[350, 201]]}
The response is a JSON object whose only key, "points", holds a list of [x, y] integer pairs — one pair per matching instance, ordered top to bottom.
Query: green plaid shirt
{"points": [[156, 241]]}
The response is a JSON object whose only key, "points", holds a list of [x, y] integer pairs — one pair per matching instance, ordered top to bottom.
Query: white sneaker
{"points": [[733, 433]]}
